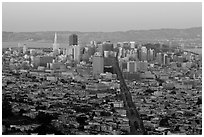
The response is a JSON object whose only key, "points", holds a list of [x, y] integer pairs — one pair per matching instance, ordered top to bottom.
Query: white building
{"points": [[132, 44], [55, 45], [24, 49], [77, 53], [143, 53], [132, 66]]}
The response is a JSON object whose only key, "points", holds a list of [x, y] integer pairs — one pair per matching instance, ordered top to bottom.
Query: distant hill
{"points": [[86, 37]]}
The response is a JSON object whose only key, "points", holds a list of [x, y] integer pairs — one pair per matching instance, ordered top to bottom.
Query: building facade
{"points": [[73, 40], [98, 64]]}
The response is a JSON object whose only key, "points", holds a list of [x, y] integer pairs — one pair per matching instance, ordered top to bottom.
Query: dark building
{"points": [[73, 39], [106, 46], [139, 55], [42, 61], [108, 61], [98, 65], [109, 69], [131, 76]]}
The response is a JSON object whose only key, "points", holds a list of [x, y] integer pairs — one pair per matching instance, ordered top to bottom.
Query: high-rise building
{"points": [[73, 40], [132, 44], [55, 45], [106, 46], [24, 49], [76, 50], [120, 52], [143, 53], [150, 54], [136, 55], [139, 55], [159, 58], [165, 59], [98, 64], [131, 66]]}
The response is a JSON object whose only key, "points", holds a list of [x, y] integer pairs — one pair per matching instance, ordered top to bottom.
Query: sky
{"points": [[94, 17]]}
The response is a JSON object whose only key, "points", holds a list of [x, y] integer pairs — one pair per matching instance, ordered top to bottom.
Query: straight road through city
{"points": [[136, 123]]}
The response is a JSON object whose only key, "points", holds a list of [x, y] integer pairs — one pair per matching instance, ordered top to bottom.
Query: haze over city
{"points": [[93, 17], [102, 69]]}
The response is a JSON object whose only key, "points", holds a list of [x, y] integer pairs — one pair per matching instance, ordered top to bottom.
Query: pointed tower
{"points": [[55, 44]]}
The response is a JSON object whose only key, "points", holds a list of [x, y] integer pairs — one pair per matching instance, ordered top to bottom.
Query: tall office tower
{"points": [[73, 40], [55, 44], [132, 44], [106, 46], [24, 49], [76, 50], [120, 53], [143, 53], [139, 54], [136, 55], [150, 55], [159, 58], [165, 59], [98, 64], [131, 66]]}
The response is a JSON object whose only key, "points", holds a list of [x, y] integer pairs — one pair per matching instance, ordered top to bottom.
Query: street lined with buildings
{"points": [[101, 88]]}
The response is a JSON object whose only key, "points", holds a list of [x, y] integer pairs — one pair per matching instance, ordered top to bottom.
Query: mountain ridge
{"points": [[86, 37]]}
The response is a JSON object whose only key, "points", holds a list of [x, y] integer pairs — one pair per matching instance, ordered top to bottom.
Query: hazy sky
{"points": [[99, 16]]}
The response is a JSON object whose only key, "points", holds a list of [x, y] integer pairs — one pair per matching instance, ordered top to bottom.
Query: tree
{"points": [[199, 101], [6, 109], [21, 112], [44, 118], [81, 119], [164, 122], [47, 129]]}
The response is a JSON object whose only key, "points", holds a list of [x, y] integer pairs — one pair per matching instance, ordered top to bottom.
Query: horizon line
{"points": [[102, 31]]}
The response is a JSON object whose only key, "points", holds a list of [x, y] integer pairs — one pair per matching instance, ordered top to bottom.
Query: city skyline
{"points": [[105, 17], [102, 68]]}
